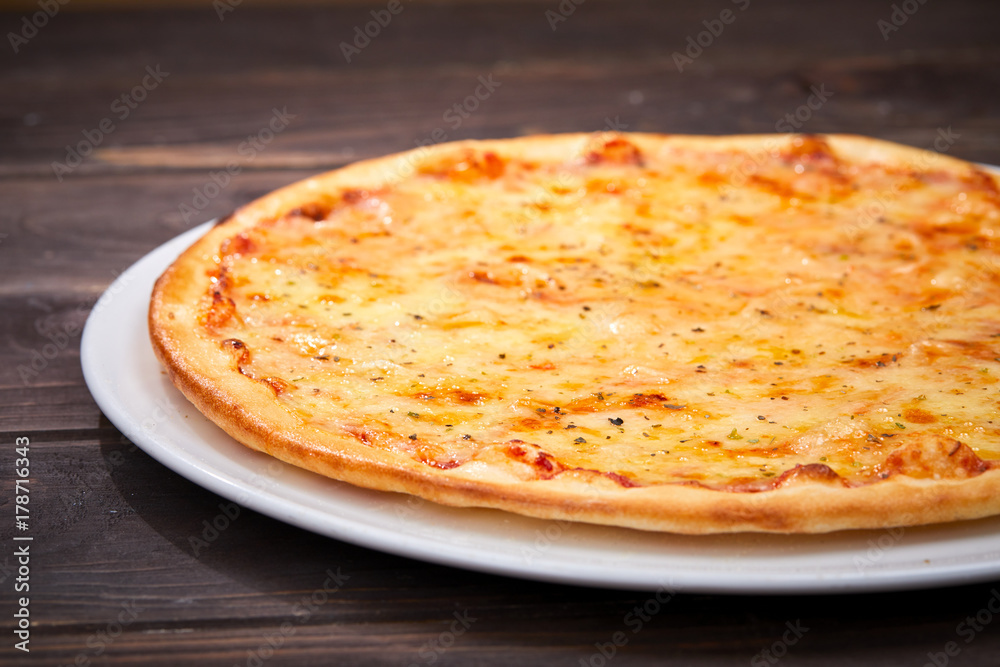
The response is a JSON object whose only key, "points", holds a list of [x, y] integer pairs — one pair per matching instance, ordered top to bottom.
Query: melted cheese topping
{"points": [[634, 314]]}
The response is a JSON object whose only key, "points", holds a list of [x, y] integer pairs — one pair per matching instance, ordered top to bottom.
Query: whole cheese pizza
{"points": [[793, 334]]}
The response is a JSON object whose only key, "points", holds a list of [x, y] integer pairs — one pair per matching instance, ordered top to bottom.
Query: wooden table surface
{"points": [[159, 101]]}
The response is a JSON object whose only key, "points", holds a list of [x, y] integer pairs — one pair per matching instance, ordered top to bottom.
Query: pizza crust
{"points": [[246, 408]]}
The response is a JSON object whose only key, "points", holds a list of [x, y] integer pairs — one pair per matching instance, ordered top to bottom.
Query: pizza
{"points": [[776, 333]]}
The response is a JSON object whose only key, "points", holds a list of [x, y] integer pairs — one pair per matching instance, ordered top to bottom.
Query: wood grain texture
{"points": [[113, 527]]}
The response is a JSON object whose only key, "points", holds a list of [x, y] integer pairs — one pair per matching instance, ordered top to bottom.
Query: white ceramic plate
{"points": [[130, 387]]}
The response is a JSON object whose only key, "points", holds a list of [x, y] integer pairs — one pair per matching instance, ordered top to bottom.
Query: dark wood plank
{"points": [[758, 70]]}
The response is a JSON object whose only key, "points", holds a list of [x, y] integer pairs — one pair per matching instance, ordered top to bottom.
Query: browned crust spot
{"points": [[613, 150]]}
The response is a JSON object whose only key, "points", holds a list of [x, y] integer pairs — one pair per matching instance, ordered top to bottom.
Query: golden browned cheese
{"points": [[629, 311]]}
